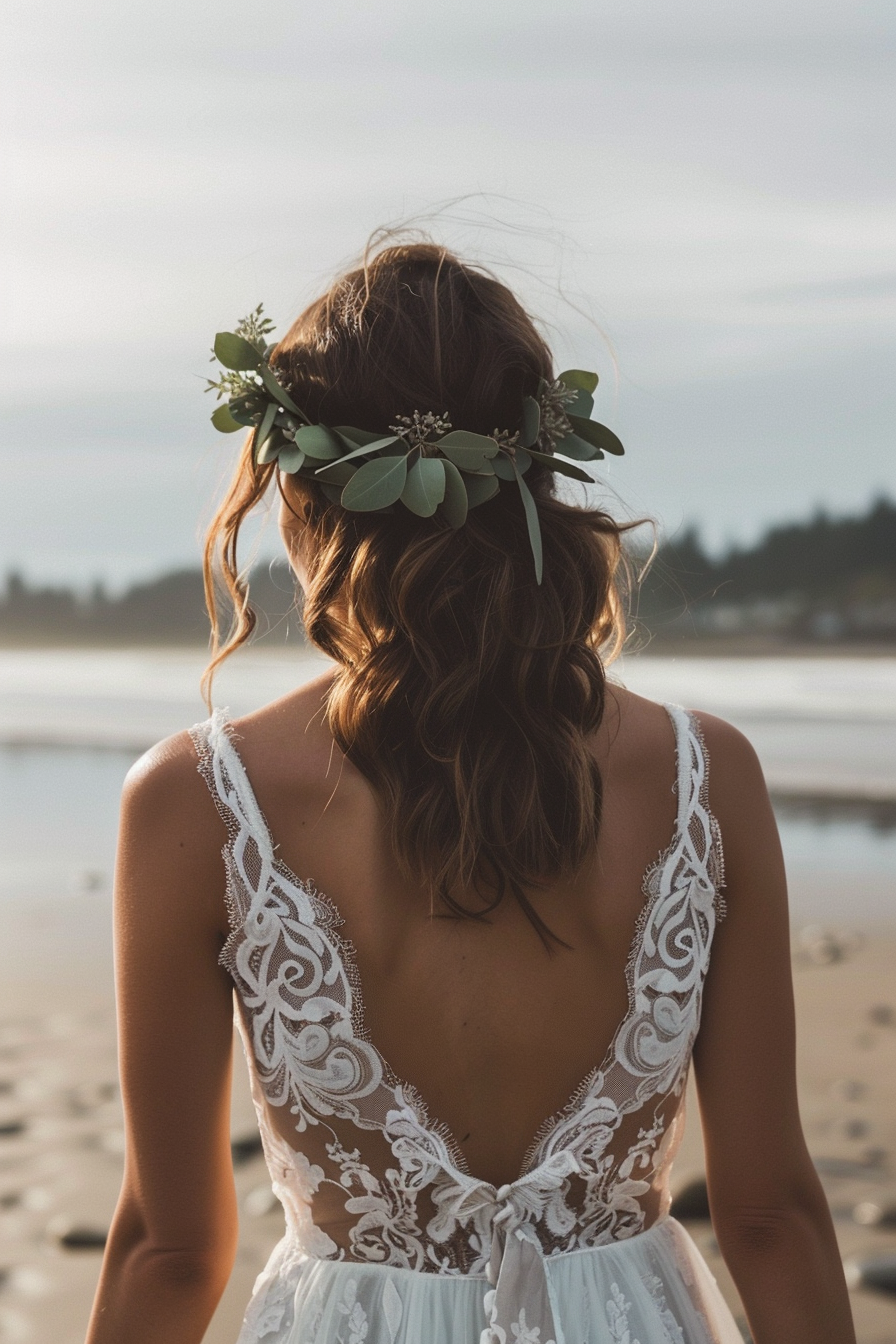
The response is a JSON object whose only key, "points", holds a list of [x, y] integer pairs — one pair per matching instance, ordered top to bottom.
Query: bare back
{"points": [[489, 1043]]}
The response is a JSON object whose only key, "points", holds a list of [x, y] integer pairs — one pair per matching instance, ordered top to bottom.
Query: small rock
{"points": [[822, 946], [882, 1014], [849, 1089], [9, 1128], [855, 1129], [245, 1147], [846, 1168], [261, 1201], [692, 1201], [869, 1213], [73, 1236], [874, 1271]]}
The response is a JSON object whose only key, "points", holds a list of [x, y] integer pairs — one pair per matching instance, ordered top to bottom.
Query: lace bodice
{"points": [[364, 1173]]}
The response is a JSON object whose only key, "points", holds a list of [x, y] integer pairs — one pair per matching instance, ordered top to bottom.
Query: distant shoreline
{"points": [[642, 645]]}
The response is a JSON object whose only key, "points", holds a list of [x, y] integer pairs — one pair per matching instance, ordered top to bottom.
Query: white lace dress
{"points": [[390, 1238]]}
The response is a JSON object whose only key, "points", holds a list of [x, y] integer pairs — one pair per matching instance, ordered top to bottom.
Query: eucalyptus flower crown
{"points": [[422, 462]]}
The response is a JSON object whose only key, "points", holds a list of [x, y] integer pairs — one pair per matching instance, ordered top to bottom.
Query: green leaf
{"points": [[235, 353], [579, 378], [280, 393], [583, 404], [224, 422], [531, 422], [263, 432], [597, 434], [357, 437], [464, 438], [319, 442], [376, 445], [573, 446], [270, 449], [469, 451], [291, 460], [503, 467], [564, 468], [335, 473], [376, 485], [424, 488], [479, 489], [455, 504], [533, 526]]}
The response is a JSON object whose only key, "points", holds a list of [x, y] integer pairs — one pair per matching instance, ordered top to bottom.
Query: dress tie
{"points": [[520, 1307]]}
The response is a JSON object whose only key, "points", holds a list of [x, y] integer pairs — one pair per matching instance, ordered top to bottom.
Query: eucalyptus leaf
{"points": [[236, 353], [579, 378], [279, 392], [583, 404], [224, 422], [531, 422], [264, 431], [598, 435], [357, 437], [464, 438], [319, 442], [376, 445], [573, 446], [270, 448], [291, 459], [468, 459], [503, 467], [563, 468], [335, 473], [376, 485], [424, 488], [479, 489], [455, 504], [533, 526]]}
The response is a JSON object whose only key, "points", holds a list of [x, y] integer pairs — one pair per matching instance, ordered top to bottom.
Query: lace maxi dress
{"points": [[390, 1238]]}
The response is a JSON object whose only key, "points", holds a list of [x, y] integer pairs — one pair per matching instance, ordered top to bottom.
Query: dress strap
{"points": [[224, 773]]}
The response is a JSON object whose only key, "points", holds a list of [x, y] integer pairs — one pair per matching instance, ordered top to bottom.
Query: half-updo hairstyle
{"points": [[463, 691]]}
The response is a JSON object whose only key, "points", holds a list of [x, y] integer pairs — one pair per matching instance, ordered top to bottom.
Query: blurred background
{"points": [[698, 201]]}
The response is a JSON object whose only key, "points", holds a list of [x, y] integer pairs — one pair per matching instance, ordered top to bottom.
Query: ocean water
{"points": [[71, 725]]}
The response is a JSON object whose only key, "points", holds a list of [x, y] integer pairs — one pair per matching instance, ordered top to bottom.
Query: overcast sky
{"points": [[712, 184]]}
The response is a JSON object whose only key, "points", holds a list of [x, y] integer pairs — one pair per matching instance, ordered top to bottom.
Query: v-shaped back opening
{"points": [[242, 812]]}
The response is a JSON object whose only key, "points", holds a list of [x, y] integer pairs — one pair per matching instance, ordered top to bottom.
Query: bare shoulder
{"points": [[164, 786], [737, 786]]}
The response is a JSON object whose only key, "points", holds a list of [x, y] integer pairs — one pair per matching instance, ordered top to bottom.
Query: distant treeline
{"points": [[829, 578], [826, 579], [167, 610]]}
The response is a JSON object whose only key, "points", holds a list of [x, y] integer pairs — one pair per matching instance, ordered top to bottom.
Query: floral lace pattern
{"points": [[596, 1172]]}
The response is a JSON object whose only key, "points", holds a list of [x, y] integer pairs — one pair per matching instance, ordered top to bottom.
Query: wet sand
{"points": [[61, 1133]]}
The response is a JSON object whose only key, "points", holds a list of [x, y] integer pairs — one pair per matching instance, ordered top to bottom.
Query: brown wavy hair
{"points": [[464, 692]]}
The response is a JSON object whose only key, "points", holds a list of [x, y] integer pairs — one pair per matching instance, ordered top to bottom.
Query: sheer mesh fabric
{"points": [[365, 1175]]}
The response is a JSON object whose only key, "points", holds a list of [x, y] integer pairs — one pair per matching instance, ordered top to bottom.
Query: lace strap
{"points": [[220, 766]]}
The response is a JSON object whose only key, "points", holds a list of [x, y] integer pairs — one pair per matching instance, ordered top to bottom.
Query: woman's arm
{"points": [[769, 1212], [173, 1237]]}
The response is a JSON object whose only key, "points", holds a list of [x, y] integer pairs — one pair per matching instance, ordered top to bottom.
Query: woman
{"points": [[526, 858]]}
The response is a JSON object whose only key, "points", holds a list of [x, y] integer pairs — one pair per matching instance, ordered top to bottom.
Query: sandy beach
{"points": [[61, 1135]]}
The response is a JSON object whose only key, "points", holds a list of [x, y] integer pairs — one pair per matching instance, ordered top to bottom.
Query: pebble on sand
{"points": [[869, 1213], [74, 1236], [874, 1271]]}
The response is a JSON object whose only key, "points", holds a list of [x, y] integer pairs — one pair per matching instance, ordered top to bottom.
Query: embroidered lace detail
{"points": [[371, 1161]]}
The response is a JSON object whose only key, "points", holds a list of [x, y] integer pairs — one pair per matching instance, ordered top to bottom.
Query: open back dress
{"points": [[390, 1238]]}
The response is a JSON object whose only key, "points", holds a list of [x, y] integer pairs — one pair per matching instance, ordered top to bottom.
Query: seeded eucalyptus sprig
{"points": [[422, 462]]}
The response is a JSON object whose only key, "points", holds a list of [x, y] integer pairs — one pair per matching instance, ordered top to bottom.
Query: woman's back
{"points": [[499, 1035], [486, 1112]]}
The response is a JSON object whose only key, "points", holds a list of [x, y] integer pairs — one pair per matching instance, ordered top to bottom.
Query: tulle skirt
{"points": [[654, 1288]]}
